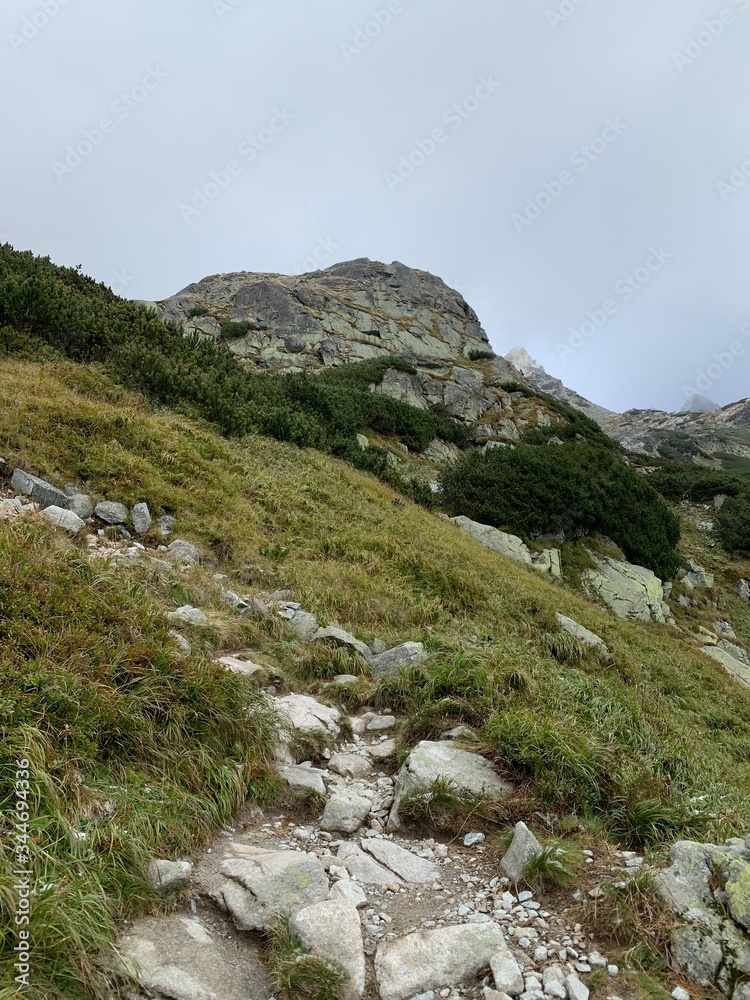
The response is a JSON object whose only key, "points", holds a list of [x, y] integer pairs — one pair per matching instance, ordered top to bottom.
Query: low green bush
{"points": [[55, 307], [570, 489], [733, 524]]}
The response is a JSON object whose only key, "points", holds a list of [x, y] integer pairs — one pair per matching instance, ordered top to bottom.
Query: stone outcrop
{"points": [[363, 309], [535, 375], [510, 546], [630, 591], [582, 634], [467, 774], [523, 849], [259, 886], [708, 887], [331, 930], [432, 959]]}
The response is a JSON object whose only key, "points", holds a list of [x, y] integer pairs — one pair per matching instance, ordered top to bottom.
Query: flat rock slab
{"points": [[44, 493], [111, 512], [64, 519], [507, 545], [181, 551], [631, 591], [582, 633], [340, 637], [410, 654], [237, 666], [733, 666], [308, 715], [382, 750], [350, 765], [467, 773], [303, 779], [345, 812], [405, 864], [362, 867], [260, 886], [332, 930], [176, 956], [434, 959], [506, 972]]}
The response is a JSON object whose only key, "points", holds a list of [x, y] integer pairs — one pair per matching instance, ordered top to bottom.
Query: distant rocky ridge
{"points": [[363, 309], [356, 311], [540, 380], [702, 432]]}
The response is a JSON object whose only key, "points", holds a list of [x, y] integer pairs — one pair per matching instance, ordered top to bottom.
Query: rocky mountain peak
{"points": [[352, 311], [523, 362], [699, 404]]}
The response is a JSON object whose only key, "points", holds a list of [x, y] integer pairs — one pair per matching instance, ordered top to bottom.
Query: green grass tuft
{"points": [[297, 975]]}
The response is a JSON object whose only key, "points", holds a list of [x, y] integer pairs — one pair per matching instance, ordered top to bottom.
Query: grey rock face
{"points": [[360, 310], [39, 490], [81, 505], [111, 512], [141, 517], [64, 519], [165, 524], [507, 545], [182, 551], [695, 577], [630, 591], [189, 615], [304, 624], [582, 634], [341, 637], [410, 654], [734, 666], [309, 715], [349, 765], [466, 773], [303, 779], [345, 812], [523, 849], [406, 865], [364, 868], [165, 877], [260, 886], [331, 930], [711, 945], [177, 956], [435, 958], [506, 971]]}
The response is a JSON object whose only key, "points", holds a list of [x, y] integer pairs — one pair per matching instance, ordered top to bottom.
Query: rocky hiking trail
{"points": [[403, 912], [404, 917]]}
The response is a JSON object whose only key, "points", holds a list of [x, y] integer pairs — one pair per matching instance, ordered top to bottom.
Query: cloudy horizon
{"points": [[579, 173]]}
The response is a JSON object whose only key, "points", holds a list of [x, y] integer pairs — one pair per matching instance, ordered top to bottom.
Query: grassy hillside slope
{"points": [[624, 742]]}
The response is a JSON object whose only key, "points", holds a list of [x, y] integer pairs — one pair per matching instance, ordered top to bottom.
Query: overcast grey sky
{"points": [[561, 162]]}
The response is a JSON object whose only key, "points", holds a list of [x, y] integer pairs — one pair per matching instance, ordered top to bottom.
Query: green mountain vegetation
{"points": [[137, 750]]}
